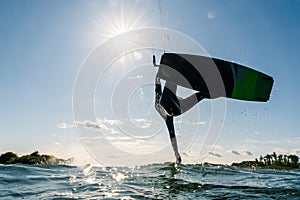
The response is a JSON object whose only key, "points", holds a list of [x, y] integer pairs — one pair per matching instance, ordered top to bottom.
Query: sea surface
{"points": [[155, 181]]}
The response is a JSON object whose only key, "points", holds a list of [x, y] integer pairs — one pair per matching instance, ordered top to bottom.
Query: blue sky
{"points": [[44, 44]]}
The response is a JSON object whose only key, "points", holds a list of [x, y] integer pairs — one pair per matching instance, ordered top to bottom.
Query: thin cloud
{"points": [[112, 122], [142, 122], [191, 122], [198, 123], [90, 124], [62, 125], [65, 125], [100, 125], [113, 126], [92, 138], [118, 138], [295, 140], [263, 141], [58, 144], [138, 146], [213, 146], [216, 146], [281, 150], [287, 151], [296, 151], [235, 152], [241, 152], [248, 153], [215, 154]]}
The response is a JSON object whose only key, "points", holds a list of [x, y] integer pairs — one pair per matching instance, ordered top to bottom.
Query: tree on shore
{"points": [[274, 156], [8, 157], [33, 158], [268, 159], [280, 159], [294, 160], [272, 161]]}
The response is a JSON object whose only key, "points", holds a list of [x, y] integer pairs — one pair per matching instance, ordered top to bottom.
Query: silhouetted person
{"points": [[169, 105]]}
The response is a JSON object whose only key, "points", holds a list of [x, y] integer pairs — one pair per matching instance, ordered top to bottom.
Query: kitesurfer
{"points": [[169, 105]]}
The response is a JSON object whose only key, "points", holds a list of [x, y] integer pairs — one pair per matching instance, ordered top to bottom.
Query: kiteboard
{"points": [[215, 77]]}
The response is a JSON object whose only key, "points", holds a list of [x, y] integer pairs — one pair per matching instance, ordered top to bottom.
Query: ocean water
{"points": [[156, 181]]}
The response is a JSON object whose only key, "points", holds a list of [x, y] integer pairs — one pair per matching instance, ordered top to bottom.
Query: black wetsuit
{"points": [[173, 105]]}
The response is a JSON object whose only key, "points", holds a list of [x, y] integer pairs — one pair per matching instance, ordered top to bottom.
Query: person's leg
{"points": [[169, 101], [189, 102], [170, 126]]}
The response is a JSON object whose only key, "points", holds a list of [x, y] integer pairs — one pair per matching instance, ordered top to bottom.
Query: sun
{"points": [[117, 18], [122, 20]]}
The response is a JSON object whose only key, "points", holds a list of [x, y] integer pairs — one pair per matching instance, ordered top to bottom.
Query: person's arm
{"points": [[154, 62], [157, 89]]}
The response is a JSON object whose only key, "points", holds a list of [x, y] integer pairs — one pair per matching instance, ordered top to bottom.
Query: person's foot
{"points": [[178, 160]]}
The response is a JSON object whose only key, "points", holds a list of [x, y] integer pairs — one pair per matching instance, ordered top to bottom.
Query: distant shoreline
{"points": [[33, 158], [271, 161]]}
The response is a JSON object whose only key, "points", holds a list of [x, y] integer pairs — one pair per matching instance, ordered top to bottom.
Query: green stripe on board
{"points": [[265, 84], [245, 85]]}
